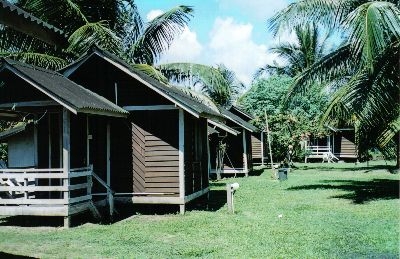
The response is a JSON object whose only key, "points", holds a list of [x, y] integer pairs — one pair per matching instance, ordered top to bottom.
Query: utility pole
{"points": [[269, 145]]}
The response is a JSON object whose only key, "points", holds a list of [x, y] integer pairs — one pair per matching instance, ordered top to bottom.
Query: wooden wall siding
{"points": [[100, 77], [344, 145], [256, 147], [347, 148], [155, 152], [138, 158], [196, 175]]}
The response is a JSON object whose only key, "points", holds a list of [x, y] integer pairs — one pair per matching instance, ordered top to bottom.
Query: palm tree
{"points": [[115, 26], [309, 46], [365, 70], [219, 83]]}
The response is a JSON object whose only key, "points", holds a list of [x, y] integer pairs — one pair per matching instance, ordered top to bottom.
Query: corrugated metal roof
{"points": [[25, 22], [65, 92], [170, 92], [241, 111], [238, 121], [14, 130]]}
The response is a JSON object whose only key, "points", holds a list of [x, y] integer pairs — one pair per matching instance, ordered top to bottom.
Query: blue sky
{"points": [[232, 32]]}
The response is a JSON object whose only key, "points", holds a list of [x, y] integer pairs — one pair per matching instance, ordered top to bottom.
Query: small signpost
{"points": [[230, 190]]}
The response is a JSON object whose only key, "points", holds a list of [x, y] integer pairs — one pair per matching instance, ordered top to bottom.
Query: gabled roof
{"points": [[22, 21], [63, 91], [171, 93], [243, 114], [238, 121], [224, 127], [12, 131]]}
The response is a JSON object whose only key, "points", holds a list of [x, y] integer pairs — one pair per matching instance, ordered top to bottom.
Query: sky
{"points": [[232, 32]]}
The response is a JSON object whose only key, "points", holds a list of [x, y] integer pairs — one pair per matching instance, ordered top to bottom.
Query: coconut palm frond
{"points": [[327, 12], [129, 24], [373, 27], [90, 34], [159, 34], [37, 59], [338, 64], [151, 72], [210, 79], [200, 98], [389, 133]]}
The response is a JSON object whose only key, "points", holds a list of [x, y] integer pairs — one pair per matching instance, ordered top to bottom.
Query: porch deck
{"points": [[322, 152], [45, 192]]}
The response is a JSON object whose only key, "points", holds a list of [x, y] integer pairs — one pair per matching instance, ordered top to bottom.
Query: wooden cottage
{"points": [[57, 137], [258, 140], [342, 142], [338, 145], [236, 146], [159, 154]]}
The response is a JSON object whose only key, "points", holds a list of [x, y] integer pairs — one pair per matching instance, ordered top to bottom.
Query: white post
{"points": [[116, 92], [87, 141], [35, 143], [66, 147], [262, 148], [50, 151], [208, 155], [182, 160], [245, 162], [89, 177], [109, 194]]}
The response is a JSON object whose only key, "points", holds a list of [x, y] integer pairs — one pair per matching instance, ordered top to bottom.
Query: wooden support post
{"points": [[181, 122], [87, 142], [66, 147], [262, 148], [50, 151], [208, 155], [245, 162], [89, 179], [110, 196]]}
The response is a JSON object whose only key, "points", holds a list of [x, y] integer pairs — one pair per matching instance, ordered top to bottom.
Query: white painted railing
{"points": [[20, 186]]}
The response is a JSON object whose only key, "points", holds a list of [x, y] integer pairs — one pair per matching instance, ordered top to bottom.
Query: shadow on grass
{"points": [[348, 167], [359, 191], [31, 221], [13, 256]]}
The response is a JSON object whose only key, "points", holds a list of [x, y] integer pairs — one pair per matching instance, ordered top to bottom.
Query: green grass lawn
{"points": [[328, 211]]}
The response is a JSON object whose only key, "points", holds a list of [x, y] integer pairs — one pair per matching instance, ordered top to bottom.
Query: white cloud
{"points": [[261, 9], [153, 14], [231, 44], [185, 48]]}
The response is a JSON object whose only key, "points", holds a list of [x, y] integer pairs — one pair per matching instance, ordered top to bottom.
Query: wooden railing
{"points": [[323, 152], [31, 186]]}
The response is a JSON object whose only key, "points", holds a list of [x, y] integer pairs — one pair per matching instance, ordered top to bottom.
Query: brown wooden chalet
{"points": [[24, 22], [57, 137], [339, 144], [258, 147], [237, 151], [159, 154]]}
